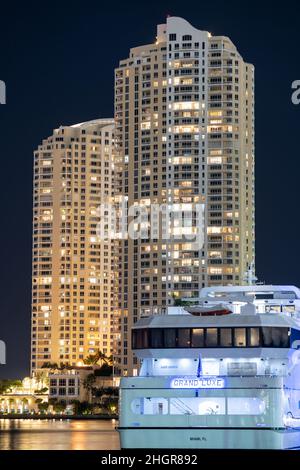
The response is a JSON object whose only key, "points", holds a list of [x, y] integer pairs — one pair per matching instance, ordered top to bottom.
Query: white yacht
{"points": [[224, 373]]}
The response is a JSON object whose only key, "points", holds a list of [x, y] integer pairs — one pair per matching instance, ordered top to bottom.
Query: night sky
{"points": [[58, 60]]}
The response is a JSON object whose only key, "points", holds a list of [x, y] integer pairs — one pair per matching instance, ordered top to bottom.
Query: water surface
{"points": [[27, 434]]}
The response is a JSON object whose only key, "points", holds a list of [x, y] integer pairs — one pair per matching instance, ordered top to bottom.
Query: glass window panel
{"points": [[273, 308], [288, 308], [134, 335], [170, 337], [211, 337], [225, 337], [240, 337], [254, 337], [267, 337], [275, 337], [281, 337], [145, 338], [156, 338], [184, 338], [197, 338], [139, 339], [242, 368], [137, 406], [149, 406], [155, 406], [197, 406], [211, 406], [245, 406]]}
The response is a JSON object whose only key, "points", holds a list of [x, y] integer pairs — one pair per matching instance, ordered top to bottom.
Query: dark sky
{"points": [[57, 60]]}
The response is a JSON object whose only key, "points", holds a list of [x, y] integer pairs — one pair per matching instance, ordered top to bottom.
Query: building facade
{"points": [[184, 117], [72, 278], [70, 385]]}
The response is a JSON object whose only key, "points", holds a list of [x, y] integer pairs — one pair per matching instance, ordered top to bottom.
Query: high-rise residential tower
{"points": [[184, 116], [72, 275]]}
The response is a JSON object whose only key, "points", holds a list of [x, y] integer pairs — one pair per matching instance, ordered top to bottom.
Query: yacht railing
{"points": [[151, 311]]}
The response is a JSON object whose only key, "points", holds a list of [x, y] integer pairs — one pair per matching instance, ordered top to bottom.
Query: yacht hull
{"points": [[203, 438]]}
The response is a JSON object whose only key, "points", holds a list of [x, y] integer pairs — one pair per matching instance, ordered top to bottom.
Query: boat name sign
{"points": [[197, 382]]}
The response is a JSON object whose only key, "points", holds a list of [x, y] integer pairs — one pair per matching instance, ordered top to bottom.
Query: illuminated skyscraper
{"points": [[184, 116], [72, 279]]}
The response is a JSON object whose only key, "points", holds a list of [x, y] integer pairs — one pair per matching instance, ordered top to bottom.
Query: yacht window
{"points": [[264, 296], [273, 308], [288, 308], [134, 337], [156, 337], [225, 337], [240, 337], [268, 337], [275, 337], [145, 338], [170, 338], [184, 338], [197, 338], [211, 338], [139, 339], [254, 340], [242, 368], [137, 406], [150, 406], [155, 406], [197, 406], [212, 406], [245, 406]]}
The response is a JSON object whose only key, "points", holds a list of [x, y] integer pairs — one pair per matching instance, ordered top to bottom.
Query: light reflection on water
{"points": [[27, 434]]}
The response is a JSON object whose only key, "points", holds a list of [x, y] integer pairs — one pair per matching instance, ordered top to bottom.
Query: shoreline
{"points": [[59, 417]]}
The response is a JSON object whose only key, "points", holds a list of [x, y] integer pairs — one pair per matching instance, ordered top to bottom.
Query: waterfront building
{"points": [[72, 275]]}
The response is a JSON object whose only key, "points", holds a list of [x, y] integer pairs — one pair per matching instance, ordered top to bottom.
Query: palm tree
{"points": [[93, 359], [105, 359], [110, 360], [50, 365], [64, 365], [42, 379], [88, 383], [7, 385], [11, 403], [24, 403], [43, 406], [59, 406]]}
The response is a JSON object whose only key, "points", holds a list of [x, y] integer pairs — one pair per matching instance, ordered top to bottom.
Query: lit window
{"points": [[240, 337]]}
